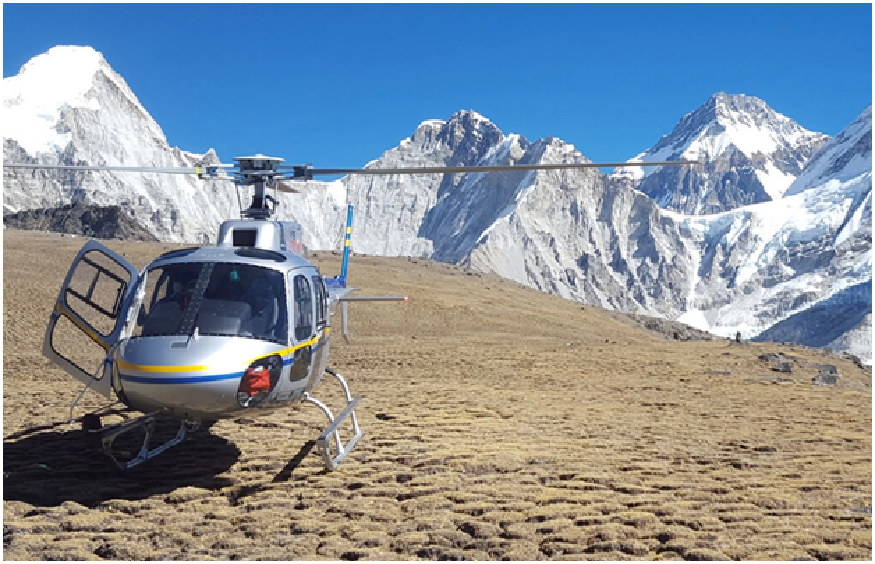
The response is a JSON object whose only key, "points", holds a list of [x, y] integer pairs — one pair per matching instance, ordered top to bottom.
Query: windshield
{"points": [[237, 300]]}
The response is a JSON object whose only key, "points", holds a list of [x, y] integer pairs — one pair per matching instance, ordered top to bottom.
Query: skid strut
{"points": [[109, 434], [332, 457]]}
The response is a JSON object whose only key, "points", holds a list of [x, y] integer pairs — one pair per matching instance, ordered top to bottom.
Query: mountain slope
{"points": [[847, 155], [842, 321]]}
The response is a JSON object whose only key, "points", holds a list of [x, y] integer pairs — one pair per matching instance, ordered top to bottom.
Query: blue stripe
{"points": [[185, 380]]}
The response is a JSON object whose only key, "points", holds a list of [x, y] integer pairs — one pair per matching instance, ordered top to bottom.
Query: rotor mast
{"points": [[260, 172]]}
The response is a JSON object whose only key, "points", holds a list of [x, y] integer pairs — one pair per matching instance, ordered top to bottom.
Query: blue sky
{"points": [[336, 85]]}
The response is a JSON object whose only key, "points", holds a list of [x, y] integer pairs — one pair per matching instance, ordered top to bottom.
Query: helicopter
{"points": [[212, 332]]}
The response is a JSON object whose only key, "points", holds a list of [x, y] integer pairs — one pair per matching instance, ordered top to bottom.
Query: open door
{"points": [[90, 313]]}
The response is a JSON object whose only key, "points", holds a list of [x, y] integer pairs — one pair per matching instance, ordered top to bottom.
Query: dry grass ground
{"points": [[501, 423]]}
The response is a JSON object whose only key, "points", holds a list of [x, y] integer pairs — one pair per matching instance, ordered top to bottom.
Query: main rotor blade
{"points": [[458, 169], [165, 170], [304, 171]]}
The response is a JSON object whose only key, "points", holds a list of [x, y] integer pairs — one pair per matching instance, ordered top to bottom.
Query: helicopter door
{"points": [[90, 313], [303, 327], [320, 355]]}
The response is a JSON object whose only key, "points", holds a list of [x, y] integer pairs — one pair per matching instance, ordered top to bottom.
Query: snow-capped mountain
{"points": [[68, 106], [754, 154], [579, 234], [593, 238], [742, 270]]}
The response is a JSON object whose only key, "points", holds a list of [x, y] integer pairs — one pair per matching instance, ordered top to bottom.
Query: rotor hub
{"points": [[259, 171]]}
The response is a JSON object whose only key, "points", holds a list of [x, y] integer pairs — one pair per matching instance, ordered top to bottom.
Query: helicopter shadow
{"points": [[48, 468]]}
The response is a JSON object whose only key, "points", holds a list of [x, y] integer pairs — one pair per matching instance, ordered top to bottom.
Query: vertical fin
{"points": [[346, 246]]}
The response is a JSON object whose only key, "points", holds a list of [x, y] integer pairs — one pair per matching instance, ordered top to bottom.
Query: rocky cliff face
{"points": [[108, 222]]}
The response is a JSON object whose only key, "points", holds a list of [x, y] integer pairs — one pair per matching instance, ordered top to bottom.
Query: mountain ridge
{"points": [[579, 234]]}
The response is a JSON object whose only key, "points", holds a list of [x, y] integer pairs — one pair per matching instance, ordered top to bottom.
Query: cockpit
{"points": [[213, 298]]}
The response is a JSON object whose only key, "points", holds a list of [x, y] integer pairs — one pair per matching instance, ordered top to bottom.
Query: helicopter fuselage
{"points": [[201, 333], [216, 350], [208, 387]]}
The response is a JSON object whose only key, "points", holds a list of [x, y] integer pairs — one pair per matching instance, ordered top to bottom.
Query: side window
{"points": [[167, 294], [321, 303], [303, 309]]}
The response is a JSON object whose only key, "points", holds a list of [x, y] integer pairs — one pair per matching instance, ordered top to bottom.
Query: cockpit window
{"points": [[238, 300]]}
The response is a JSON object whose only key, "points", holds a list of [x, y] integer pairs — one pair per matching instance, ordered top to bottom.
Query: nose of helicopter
{"points": [[188, 378]]}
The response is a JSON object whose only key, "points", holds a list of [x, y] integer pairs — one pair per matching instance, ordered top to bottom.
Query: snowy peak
{"points": [[69, 71], [63, 79], [45, 85], [68, 106], [742, 110], [472, 120], [745, 121], [462, 123], [428, 126], [755, 128], [469, 135], [465, 138], [755, 153], [848, 155]]}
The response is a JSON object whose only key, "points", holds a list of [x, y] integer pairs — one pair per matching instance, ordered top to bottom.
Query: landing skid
{"points": [[105, 436], [333, 452], [332, 456]]}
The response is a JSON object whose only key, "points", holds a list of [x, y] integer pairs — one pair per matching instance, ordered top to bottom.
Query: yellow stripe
{"points": [[197, 170], [348, 230], [347, 243], [290, 350], [160, 368]]}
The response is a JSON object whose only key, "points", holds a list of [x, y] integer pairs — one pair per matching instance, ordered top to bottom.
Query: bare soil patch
{"points": [[501, 423]]}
